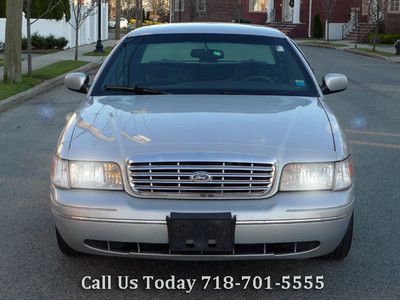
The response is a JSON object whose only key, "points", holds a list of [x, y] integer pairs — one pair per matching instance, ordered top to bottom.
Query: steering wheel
{"points": [[259, 78]]}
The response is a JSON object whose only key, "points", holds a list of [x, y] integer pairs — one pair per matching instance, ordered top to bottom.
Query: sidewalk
{"points": [[350, 45], [69, 54]]}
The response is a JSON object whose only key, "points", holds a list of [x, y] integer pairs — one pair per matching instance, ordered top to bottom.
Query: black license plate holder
{"points": [[201, 232]]}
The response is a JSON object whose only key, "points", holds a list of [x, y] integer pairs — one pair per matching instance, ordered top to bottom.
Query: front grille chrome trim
{"points": [[183, 179]]}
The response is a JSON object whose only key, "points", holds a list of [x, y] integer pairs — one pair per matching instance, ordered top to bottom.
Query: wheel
{"points": [[63, 246], [343, 249]]}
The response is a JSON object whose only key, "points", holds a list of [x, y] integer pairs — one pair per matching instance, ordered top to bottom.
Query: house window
{"points": [[179, 5], [201, 5], [258, 5], [394, 5]]}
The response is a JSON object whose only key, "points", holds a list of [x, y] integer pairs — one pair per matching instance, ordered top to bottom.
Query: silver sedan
{"points": [[204, 142]]}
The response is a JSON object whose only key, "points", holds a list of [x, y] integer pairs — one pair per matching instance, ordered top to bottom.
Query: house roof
{"points": [[218, 28]]}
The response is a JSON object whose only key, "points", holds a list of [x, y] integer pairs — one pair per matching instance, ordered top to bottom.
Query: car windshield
{"points": [[205, 64]]}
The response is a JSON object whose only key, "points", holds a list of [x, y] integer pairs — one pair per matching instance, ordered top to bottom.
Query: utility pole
{"points": [[13, 41]]}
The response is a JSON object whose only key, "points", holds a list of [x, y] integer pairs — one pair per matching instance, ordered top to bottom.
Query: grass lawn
{"points": [[106, 51], [382, 53], [1, 62], [57, 69], [38, 76], [10, 89]]}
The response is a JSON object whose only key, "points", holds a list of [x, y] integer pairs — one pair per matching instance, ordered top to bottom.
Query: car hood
{"points": [[116, 128]]}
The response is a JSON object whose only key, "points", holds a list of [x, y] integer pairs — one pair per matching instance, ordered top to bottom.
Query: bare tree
{"points": [[238, 4], [328, 6], [127, 8], [160, 8], [118, 9], [193, 9], [79, 13], [139, 13], [377, 14], [29, 22], [13, 46]]}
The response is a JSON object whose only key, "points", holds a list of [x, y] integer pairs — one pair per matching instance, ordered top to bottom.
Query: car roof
{"points": [[213, 28]]}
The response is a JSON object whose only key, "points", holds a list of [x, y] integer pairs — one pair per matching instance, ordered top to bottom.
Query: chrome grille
{"points": [[201, 179]]}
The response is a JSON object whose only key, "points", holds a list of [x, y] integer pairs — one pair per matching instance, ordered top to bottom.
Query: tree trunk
{"points": [[239, 10], [180, 11], [128, 12], [138, 14], [118, 20], [376, 25], [327, 31], [29, 36], [13, 41], [76, 42]]}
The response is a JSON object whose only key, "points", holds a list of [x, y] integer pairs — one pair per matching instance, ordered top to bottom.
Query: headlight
{"points": [[59, 172], [344, 174], [95, 175], [308, 176], [317, 176]]}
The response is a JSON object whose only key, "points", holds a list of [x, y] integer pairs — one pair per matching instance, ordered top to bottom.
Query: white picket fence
{"points": [[87, 32]]}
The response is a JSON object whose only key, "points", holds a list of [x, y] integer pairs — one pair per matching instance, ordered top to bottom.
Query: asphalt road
{"points": [[32, 267]]}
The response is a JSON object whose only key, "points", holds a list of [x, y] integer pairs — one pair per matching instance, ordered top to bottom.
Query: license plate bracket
{"points": [[201, 232]]}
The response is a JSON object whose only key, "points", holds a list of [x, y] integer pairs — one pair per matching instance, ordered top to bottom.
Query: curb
{"points": [[319, 46], [352, 50], [362, 53], [24, 96]]}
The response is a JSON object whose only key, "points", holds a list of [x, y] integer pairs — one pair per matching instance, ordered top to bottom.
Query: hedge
{"points": [[384, 38], [46, 42]]}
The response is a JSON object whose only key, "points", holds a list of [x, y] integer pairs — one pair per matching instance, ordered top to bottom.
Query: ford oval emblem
{"points": [[200, 177]]}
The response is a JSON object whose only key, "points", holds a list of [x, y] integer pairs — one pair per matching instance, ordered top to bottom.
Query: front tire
{"points": [[63, 246], [343, 249]]}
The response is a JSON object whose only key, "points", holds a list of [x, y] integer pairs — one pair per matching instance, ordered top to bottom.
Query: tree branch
{"points": [[50, 8]]}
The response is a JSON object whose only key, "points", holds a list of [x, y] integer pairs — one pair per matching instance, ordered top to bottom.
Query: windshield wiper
{"points": [[137, 90]]}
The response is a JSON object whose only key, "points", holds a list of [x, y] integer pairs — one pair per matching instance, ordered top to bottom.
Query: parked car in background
{"points": [[123, 23], [1, 46], [204, 142]]}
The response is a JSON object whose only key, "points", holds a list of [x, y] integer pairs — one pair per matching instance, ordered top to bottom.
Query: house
{"points": [[128, 7], [365, 16], [294, 17], [392, 17]]}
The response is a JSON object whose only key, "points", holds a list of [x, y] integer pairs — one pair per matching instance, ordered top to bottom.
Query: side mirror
{"points": [[77, 82], [334, 83]]}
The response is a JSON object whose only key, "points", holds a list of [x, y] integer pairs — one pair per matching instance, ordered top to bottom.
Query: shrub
{"points": [[243, 21], [318, 31], [384, 38], [38, 41], [48, 42], [24, 43], [61, 43]]}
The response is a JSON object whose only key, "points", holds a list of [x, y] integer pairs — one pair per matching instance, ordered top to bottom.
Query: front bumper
{"points": [[290, 217]]}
